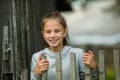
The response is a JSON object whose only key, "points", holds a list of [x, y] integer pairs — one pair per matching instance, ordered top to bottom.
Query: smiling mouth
{"points": [[53, 41]]}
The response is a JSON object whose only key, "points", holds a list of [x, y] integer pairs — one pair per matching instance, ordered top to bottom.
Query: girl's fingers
{"points": [[89, 51], [87, 56], [43, 61], [43, 64]]}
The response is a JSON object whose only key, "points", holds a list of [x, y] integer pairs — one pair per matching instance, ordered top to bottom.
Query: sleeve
{"points": [[33, 65], [82, 66], [95, 74]]}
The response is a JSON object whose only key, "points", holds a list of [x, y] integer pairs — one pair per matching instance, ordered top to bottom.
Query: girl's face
{"points": [[54, 33]]}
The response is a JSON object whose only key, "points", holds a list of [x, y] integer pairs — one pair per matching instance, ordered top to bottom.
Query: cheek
{"points": [[45, 36], [62, 36]]}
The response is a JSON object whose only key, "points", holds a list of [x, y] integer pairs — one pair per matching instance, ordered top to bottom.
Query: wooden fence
{"points": [[8, 63], [102, 66]]}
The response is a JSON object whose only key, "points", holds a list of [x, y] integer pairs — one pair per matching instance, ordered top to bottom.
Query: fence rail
{"points": [[102, 66]]}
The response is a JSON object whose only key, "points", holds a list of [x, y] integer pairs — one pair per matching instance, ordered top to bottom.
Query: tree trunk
{"points": [[118, 2], [115, 8]]}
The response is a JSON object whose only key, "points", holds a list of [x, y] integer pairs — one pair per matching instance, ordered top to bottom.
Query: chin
{"points": [[54, 46]]}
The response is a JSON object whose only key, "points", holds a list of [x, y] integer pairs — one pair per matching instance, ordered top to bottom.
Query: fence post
{"points": [[6, 58], [117, 63], [73, 66], [102, 66], [58, 67], [44, 75], [88, 75]]}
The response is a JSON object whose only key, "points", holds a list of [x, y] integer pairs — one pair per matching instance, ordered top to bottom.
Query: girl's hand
{"points": [[89, 60], [41, 66]]}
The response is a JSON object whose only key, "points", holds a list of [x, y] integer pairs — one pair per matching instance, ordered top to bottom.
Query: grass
{"points": [[110, 74]]}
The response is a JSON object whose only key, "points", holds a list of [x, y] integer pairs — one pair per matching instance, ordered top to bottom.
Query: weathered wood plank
{"points": [[15, 39], [117, 63], [73, 66], [102, 66], [58, 67], [25, 74], [44, 75], [88, 75]]}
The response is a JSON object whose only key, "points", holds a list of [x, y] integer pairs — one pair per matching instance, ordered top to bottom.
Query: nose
{"points": [[52, 34]]}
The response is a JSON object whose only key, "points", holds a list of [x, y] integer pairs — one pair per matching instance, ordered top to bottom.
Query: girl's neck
{"points": [[56, 49]]}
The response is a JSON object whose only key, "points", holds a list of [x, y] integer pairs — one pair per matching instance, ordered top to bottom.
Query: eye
{"points": [[57, 30], [48, 31]]}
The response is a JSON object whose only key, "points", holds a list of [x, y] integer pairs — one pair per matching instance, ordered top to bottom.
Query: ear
{"points": [[66, 32], [42, 33]]}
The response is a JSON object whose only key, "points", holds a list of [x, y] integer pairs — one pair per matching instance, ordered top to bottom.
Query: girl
{"points": [[55, 33]]}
